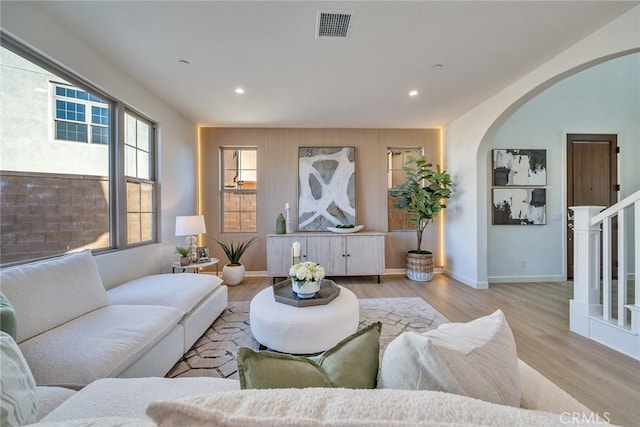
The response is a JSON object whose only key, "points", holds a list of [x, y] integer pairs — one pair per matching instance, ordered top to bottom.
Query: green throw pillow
{"points": [[8, 319], [352, 363]]}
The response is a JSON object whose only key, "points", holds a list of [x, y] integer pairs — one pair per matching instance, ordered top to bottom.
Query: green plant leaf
{"points": [[423, 193], [182, 251], [235, 251]]}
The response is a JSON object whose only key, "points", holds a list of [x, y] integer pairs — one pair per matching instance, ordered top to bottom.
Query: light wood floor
{"points": [[538, 313]]}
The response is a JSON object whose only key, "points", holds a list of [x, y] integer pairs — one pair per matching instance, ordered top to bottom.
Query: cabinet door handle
{"points": [[343, 255]]}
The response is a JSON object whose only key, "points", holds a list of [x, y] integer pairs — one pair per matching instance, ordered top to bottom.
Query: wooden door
{"points": [[592, 170]]}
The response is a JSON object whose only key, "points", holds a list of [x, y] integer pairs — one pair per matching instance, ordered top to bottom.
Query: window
{"points": [[80, 116], [138, 174], [239, 189], [57, 197], [398, 220]]}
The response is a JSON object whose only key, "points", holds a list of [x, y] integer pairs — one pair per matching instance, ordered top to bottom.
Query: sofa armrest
{"points": [[539, 393]]}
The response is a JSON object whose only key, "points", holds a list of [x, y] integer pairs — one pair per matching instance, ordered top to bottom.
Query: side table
{"points": [[196, 266]]}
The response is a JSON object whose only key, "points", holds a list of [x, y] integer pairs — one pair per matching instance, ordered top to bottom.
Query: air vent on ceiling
{"points": [[333, 23]]}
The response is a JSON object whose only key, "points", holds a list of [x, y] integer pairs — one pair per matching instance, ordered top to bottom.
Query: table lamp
{"points": [[190, 226]]}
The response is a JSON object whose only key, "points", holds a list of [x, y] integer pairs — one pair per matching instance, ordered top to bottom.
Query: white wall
{"points": [[601, 99], [177, 136], [467, 223]]}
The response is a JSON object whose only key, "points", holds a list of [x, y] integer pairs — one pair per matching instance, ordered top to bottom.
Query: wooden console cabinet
{"points": [[355, 254]]}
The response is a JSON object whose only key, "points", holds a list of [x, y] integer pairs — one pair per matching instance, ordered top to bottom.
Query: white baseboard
{"points": [[394, 271], [459, 278], [524, 279], [471, 283]]}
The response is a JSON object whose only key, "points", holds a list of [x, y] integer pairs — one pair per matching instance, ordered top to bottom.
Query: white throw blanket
{"points": [[341, 407]]}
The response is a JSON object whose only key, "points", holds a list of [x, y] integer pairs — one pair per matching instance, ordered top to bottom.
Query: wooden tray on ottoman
{"points": [[283, 293]]}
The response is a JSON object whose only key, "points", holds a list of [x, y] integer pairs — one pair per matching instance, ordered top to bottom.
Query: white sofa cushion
{"points": [[182, 291], [46, 294], [97, 345], [476, 359], [539, 393], [18, 394], [129, 397], [49, 398], [340, 407], [99, 422]]}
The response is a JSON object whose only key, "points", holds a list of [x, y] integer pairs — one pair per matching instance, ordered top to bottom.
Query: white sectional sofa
{"points": [[72, 331], [127, 399]]}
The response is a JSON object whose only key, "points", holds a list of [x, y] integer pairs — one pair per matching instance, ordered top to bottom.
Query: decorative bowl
{"points": [[345, 230]]}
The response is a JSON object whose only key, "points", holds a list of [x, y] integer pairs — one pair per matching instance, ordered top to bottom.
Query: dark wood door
{"points": [[592, 167]]}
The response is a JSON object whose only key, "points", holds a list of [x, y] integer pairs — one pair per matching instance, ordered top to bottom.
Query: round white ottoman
{"points": [[302, 330]]}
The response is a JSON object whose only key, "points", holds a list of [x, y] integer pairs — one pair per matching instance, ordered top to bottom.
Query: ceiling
{"points": [[293, 79]]}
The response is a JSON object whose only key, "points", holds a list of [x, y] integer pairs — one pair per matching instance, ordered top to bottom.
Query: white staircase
{"points": [[599, 309]]}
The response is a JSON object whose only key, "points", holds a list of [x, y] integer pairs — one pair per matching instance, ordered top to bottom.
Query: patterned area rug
{"points": [[213, 355]]}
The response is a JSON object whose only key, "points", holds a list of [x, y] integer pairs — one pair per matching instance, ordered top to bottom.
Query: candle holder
{"points": [[288, 221], [296, 253], [294, 258]]}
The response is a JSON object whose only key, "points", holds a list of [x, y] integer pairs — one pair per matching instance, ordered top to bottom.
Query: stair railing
{"points": [[591, 309]]}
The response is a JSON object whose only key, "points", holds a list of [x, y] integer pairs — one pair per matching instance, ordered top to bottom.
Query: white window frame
{"points": [[87, 103], [117, 180], [236, 190]]}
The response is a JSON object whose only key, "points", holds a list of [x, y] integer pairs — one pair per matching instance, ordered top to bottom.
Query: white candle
{"points": [[286, 205], [296, 249]]}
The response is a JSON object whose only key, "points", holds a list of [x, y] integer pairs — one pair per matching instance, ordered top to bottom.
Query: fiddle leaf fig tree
{"points": [[423, 194]]}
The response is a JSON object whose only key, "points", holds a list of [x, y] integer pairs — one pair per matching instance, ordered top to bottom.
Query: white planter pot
{"points": [[232, 274], [307, 290]]}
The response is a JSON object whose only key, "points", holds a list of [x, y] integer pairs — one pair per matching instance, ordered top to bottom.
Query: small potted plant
{"points": [[422, 196], [184, 255], [233, 272], [305, 278]]}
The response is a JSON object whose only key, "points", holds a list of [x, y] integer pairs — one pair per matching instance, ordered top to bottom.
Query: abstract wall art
{"points": [[519, 167], [326, 187], [519, 206]]}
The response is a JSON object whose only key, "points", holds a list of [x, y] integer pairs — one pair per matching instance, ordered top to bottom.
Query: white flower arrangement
{"points": [[307, 271]]}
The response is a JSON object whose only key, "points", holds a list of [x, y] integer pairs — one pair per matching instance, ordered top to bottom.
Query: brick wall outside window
{"points": [[48, 214]]}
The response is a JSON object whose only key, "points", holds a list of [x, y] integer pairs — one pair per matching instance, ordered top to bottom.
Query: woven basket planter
{"points": [[420, 266]]}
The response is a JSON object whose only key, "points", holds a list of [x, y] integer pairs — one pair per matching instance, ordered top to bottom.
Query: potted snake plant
{"points": [[422, 196], [233, 272]]}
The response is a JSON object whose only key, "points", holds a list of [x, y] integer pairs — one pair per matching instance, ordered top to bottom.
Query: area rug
{"points": [[213, 355]]}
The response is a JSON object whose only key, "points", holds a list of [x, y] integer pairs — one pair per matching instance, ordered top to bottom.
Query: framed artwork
{"points": [[519, 167], [326, 187], [519, 206], [203, 254]]}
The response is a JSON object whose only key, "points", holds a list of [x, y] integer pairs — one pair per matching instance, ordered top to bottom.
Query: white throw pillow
{"points": [[48, 293], [476, 359], [19, 394], [340, 407]]}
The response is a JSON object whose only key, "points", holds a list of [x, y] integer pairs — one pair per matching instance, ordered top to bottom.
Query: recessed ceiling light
{"points": [[184, 62], [436, 67], [239, 91], [413, 93]]}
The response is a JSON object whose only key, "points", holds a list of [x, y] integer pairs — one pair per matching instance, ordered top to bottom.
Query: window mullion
{"points": [[119, 195]]}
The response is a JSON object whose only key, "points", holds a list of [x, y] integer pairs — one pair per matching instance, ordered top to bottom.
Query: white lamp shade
{"points": [[190, 225]]}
